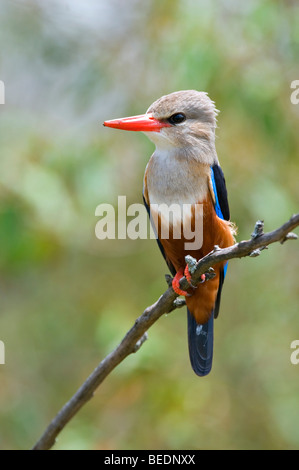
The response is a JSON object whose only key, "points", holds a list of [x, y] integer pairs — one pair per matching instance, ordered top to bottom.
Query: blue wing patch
{"points": [[217, 205], [217, 208]]}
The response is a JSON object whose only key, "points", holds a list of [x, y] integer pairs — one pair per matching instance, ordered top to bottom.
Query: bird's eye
{"points": [[177, 118]]}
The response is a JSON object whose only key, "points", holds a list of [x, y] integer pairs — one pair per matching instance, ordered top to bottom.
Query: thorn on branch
{"points": [[258, 230], [289, 236], [255, 253], [210, 274], [168, 279], [179, 302], [140, 342]]}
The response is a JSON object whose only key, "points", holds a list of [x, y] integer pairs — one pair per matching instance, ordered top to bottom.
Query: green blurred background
{"points": [[67, 298]]}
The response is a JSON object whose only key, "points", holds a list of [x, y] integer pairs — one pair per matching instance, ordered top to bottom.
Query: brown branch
{"points": [[166, 303]]}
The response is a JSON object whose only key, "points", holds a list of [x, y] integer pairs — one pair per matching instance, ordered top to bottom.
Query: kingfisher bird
{"points": [[184, 172]]}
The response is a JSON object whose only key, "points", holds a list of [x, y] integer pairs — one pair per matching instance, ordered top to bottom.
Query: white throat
{"points": [[173, 179]]}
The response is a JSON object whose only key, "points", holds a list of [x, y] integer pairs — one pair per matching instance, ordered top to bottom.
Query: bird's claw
{"points": [[188, 277], [176, 281], [176, 284]]}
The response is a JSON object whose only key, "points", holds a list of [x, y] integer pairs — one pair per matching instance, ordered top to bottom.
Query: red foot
{"points": [[187, 274], [188, 277], [176, 283]]}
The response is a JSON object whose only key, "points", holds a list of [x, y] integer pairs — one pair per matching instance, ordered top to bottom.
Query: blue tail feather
{"points": [[201, 337], [200, 341]]}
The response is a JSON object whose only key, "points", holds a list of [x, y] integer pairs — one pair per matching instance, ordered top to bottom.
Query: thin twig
{"points": [[165, 304]]}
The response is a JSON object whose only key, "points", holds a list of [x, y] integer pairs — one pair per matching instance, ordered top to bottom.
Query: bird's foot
{"points": [[191, 264], [189, 277], [176, 281]]}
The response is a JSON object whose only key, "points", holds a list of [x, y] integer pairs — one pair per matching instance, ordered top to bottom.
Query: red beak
{"points": [[143, 122]]}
